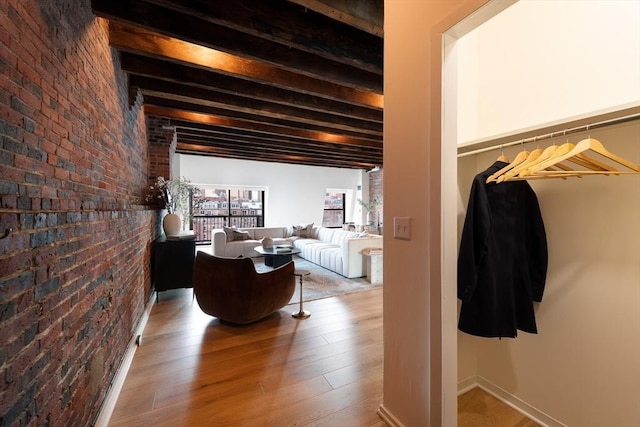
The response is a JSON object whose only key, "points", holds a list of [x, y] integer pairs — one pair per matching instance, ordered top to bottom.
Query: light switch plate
{"points": [[402, 228]]}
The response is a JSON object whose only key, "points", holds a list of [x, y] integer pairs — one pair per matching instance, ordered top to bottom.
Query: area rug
{"points": [[321, 283]]}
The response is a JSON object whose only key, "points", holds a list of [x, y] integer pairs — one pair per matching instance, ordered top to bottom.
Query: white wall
{"points": [[555, 57], [294, 194]]}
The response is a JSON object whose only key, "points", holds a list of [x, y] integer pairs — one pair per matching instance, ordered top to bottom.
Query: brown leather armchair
{"points": [[233, 291]]}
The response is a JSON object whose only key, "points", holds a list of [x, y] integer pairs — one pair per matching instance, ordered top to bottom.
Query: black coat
{"points": [[502, 263]]}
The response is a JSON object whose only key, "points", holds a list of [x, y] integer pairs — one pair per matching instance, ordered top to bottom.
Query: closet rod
{"points": [[539, 138]]}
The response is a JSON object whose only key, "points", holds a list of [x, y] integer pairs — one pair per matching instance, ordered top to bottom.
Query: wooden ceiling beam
{"points": [[367, 15], [291, 25], [195, 30], [134, 39], [139, 65], [290, 81], [205, 99], [262, 119], [256, 123], [212, 131], [215, 133], [285, 135], [258, 145], [260, 150], [288, 158]]}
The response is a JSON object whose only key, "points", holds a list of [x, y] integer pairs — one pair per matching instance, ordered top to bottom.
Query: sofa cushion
{"points": [[304, 230], [229, 232], [273, 232], [326, 234], [239, 235], [340, 236], [244, 247], [312, 249], [331, 258]]}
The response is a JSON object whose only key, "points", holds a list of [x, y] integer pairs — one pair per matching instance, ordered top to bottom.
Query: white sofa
{"points": [[222, 247], [332, 248]]}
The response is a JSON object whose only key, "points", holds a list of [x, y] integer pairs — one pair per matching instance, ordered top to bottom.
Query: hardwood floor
{"points": [[193, 370], [477, 408]]}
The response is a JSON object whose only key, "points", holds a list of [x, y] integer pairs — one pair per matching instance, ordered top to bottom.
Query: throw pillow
{"points": [[304, 230], [229, 232], [240, 235]]}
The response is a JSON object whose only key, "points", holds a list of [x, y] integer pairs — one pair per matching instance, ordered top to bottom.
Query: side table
{"points": [[173, 263], [374, 265], [301, 314]]}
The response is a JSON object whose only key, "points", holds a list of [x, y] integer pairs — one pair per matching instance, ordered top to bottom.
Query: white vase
{"points": [[369, 218], [171, 224], [267, 242]]}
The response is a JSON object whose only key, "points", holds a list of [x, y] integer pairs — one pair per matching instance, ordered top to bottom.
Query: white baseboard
{"points": [[467, 384], [113, 392], [509, 399], [388, 418]]}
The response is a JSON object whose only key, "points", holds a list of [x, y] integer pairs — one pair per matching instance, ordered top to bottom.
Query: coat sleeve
{"points": [[474, 242], [537, 245]]}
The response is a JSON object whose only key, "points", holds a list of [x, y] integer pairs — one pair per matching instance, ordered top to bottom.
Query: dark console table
{"points": [[173, 262]]}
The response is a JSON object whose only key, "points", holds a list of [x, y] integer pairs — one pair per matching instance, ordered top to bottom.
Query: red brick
{"points": [[75, 110], [15, 262]]}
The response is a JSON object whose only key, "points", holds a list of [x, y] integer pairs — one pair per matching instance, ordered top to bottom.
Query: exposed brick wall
{"points": [[163, 141], [375, 190], [74, 273]]}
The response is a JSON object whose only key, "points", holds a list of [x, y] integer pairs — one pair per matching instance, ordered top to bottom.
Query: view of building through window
{"points": [[334, 204], [225, 207], [244, 207]]}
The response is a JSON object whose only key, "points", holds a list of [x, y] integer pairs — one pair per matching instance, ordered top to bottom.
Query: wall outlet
{"points": [[402, 228]]}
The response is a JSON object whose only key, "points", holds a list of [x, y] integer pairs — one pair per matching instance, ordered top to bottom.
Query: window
{"points": [[334, 204], [225, 207]]}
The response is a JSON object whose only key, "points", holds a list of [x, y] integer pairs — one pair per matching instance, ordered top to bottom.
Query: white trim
{"points": [[479, 17], [555, 128], [448, 202], [449, 227], [467, 384], [113, 392], [509, 399], [388, 417]]}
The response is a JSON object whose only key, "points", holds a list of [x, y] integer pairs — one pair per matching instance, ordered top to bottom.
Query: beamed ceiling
{"points": [[296, 81]]}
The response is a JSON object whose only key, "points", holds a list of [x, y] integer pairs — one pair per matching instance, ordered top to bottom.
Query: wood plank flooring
{"points": [[192, 370], [477, 408]]}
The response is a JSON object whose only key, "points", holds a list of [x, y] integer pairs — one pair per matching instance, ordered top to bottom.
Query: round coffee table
{"points": [[277, 256]]}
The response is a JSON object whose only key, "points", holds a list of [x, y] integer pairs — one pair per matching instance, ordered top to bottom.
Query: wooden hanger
{"points": [[596, 146], [576, 155], [521, 157], [531, 159], [551, 159], [540, 164], [518, 173]]}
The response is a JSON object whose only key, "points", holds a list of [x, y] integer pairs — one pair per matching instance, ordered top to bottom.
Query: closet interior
{"points": [[582, 368]]}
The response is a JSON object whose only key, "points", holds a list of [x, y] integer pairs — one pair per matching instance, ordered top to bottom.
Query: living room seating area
{"points": [[335, 249]]}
